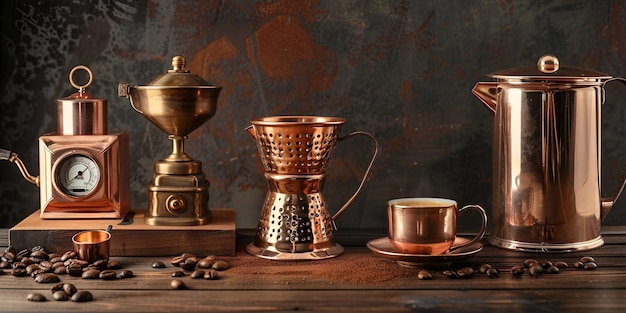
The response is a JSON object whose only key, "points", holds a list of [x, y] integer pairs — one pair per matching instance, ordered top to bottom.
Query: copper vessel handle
{"points": [[369, 167], [606, 204]]}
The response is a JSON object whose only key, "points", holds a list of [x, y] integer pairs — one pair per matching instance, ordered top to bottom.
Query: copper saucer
{"points": [[383, 247]]}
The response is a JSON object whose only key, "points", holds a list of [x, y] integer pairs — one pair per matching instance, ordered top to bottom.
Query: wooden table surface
{"points": [[357, 281]]}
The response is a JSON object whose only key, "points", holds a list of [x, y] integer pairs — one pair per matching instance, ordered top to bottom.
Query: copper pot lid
{"points": [[548, 68], [178, 76]]}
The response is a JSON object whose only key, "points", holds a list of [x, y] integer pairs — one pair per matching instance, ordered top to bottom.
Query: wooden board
{"points": [[132, 237]]}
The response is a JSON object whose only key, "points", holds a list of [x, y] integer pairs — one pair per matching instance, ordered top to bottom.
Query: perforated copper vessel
{"points": [[295, 222]]}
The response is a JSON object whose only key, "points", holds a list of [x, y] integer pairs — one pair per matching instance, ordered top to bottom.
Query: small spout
{"points": [[486, 92], [251, 131], [12, 157]]}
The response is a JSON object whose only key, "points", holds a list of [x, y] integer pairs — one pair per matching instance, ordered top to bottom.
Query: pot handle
{"points": [[12, 157], [367, 171], [606, 204]]}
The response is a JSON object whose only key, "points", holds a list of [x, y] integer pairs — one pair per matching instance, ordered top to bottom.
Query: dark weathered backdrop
{"points": [[401, 70]]}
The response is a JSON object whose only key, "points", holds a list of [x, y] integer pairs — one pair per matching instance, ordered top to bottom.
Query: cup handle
{"points": [[367, 171], [482, 230]]}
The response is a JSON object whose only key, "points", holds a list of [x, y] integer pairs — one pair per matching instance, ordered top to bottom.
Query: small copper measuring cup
{"points": [[92, 245]]}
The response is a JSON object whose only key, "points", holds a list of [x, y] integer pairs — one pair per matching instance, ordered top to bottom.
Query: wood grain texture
{"points": [[135, 239], [254, 285]]}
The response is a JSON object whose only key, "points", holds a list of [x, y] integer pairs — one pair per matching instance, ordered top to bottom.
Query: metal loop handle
{"points": [[81, 88], [369, 167], [607, 203], [482, 230]]}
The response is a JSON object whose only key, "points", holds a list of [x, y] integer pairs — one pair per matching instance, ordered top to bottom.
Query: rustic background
{"points": [[401, 70]]}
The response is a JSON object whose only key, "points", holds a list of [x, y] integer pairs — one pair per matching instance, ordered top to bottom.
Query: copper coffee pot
{"points": [[177, 102], [546, 156]]}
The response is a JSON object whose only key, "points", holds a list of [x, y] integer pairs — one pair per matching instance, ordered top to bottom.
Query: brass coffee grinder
{"points": [[177, 102], [83, 169]]}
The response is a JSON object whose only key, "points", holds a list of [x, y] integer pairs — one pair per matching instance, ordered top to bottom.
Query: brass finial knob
{"points": [[178, 63]]}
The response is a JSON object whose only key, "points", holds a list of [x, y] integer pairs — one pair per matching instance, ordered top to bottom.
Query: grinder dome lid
{"points": [[179, 76]]}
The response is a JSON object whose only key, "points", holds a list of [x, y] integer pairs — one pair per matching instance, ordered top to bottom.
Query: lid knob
{"points": [[178, 64], [548, 64]]}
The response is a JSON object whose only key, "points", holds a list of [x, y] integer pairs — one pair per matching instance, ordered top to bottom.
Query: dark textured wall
{"points": [[401, 70]]}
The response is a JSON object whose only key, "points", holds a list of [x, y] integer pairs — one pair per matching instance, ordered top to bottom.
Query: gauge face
{"points": [[77, 175]]}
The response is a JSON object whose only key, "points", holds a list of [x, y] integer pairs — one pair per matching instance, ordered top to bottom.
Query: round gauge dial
{"points": [[77, 175]]}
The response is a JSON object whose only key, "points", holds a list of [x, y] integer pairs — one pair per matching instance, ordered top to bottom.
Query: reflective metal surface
{"points": [[177, 102], [546, 159], [295, 222]]}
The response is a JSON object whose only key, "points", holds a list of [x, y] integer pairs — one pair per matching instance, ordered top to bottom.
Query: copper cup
{"points": [[427, 226], [92, 245]]}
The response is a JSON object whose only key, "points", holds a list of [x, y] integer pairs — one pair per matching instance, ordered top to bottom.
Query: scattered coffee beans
{"points": [[158, 264]]}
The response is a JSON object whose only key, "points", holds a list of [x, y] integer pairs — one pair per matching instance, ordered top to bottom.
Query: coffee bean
{"points": [[10, 249], [23, 253], [40, 254], [68, 255], [187, 255], [56, 259], [587, 259], [177, 260], [529, 262], [205, 263], [100, 264], [158, 264], [189, 264], [546, 264], [561, 264], [5, 265], [20, 265], [114, 265], [220, 265], [579, 265], [590, 265], [31, 268], [483, 268], [61, 270], [74, 270], [535, 270], [552, 270], [517, 271], [2, 272], [18, 272], [466, 272], [493, 273], [91, 274], [126, 274], [178, 274], [197, 274], [211, 274], [450, 274], [108, 275], [424, 275], [47, 278], [177, 284], [56, 287], [69, 289], [60, 295], [82, 296], [36, 297]]}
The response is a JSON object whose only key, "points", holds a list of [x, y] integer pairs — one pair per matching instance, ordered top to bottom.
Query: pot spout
{"points": [[486, 92], [251, 131], [12, 157]]}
